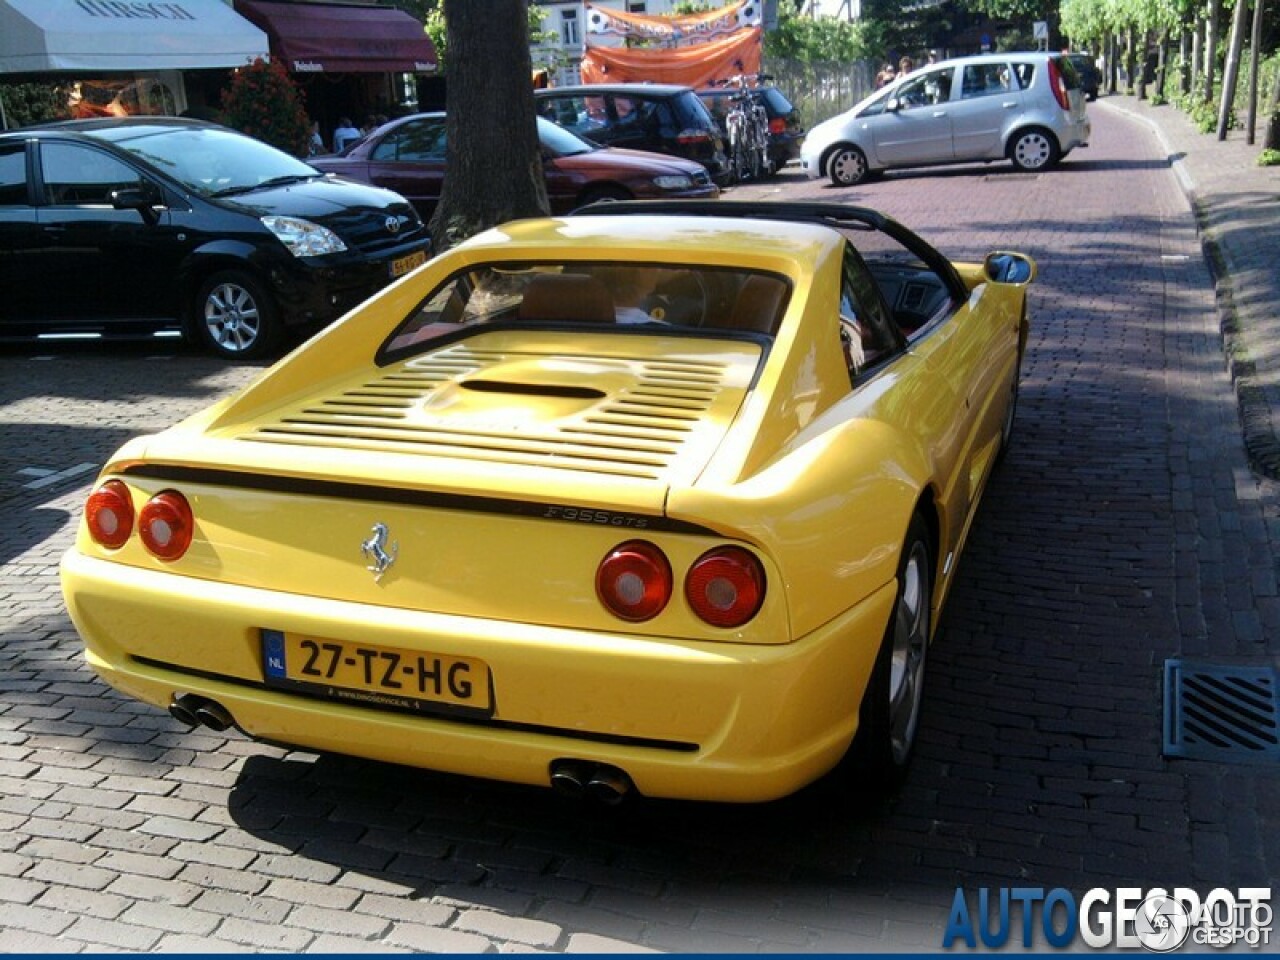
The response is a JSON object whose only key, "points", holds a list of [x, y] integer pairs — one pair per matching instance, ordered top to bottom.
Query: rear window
{"points": [[776, 103], [691, 112], [636, 297]]}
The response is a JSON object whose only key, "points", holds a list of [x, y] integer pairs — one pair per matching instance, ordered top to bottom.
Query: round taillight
{"points": [[109, 513], [166, 524], [634, 581], [725, 587]]}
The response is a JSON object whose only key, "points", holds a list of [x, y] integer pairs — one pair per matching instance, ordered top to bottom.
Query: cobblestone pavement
{"points": [[1124, 528]]}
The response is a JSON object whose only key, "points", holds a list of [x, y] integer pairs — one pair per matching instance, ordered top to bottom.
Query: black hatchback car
{"points": [[659, 117], [134, 226]]}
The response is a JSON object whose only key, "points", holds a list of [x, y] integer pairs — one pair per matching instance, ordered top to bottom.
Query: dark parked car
{"points": [[1090, 76], [664, 118], [785, 129], [408, 156], [133, 226]]}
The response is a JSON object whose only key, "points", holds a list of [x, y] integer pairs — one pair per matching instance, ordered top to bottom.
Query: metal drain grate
{"points": [[1216, 712]]}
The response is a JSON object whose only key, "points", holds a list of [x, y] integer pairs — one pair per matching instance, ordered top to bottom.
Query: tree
{"points": [[493, 164]]}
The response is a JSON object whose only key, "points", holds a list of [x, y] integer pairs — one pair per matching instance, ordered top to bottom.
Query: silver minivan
{"points": [[1025, 107]]}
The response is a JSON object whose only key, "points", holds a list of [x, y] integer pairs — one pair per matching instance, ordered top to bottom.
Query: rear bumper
{"points": [[707, 721]]}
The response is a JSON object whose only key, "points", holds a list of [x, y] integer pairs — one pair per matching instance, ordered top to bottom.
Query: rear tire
{"points": [[1034, 149], [847, 166], [235, 317], [889, 716]]}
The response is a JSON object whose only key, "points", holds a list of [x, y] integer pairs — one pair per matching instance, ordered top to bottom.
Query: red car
{"points": [[407, 156]]}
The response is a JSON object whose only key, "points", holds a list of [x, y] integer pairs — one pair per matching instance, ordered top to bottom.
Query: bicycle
{"points": [[747, 127]]}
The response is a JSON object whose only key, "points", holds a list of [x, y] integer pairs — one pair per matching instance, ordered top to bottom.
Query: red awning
{"points": [[338, 38]]}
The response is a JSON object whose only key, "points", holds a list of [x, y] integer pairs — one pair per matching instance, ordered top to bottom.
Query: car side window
{"points": [[985, 80], [927, 91], [415, 142], [76, 175], [13, 176], [867, 335]]}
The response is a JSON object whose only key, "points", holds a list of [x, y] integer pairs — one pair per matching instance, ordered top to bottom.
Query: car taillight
{"points": [[1058, 83], [778, 125], [693, 135], [109, 513], [166, 525], [634, 581], [725, 587]]}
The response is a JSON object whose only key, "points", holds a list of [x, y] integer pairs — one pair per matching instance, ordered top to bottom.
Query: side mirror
{"points": [[893, 105], [144, 198], [1013, 268]]}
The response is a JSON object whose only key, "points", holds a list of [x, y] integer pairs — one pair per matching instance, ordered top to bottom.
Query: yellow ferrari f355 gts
{"points": [[661, 498]]}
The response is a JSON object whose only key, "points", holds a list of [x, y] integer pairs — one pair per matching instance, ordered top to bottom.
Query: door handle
{"points": [[1009, 104], [939, 113]]}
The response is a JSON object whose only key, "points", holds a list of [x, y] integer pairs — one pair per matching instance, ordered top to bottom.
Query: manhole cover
{"points": [[1216, 712]]}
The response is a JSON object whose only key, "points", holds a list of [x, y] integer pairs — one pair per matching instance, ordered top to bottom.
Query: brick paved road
{"points": [[1124, 529]]}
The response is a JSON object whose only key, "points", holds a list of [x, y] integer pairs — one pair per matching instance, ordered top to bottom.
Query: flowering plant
{"points": [[264, 102]]}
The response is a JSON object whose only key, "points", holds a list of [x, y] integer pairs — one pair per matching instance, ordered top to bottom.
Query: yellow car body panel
{"points": [[497, 513]]}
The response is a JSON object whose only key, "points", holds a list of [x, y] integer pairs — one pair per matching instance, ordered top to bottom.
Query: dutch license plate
{"points": [[402, 265], [367, 675]]}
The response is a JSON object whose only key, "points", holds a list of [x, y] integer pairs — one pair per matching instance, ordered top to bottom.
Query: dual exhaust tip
{"points": [[196, 711], [577, 779], [582, 779]]}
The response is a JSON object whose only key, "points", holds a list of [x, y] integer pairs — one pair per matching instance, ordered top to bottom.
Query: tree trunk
{"points": [[1140, 47], [1211, 47], [1197, 54], [1255, 55], [1130, 57], [1113, 64], [1162, 66], [1186, 67], [1232, 72], [1272, 139], [493, 161]]}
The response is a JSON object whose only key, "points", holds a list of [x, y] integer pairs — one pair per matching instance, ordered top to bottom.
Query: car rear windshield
{"points": [[776, 103], [691, 112], [633, 297]]}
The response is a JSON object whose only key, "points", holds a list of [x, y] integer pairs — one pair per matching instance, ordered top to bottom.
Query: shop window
{"points": [[75, 175]]}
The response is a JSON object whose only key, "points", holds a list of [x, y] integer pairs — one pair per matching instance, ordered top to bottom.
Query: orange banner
{"points": [[684, 28], [696, 66]]}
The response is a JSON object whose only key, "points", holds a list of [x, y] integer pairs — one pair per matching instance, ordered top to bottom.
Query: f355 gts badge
{"points": [[376, 552]]}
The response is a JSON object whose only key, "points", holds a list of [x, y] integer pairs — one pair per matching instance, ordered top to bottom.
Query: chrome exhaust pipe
{"points": [[183, 709], [214, 716], [569, 778], [608, 785]]}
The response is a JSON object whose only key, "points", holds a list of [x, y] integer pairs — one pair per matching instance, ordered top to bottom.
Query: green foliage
{"points": [[436, 26], [437, 30], [820, 39], [1015, 40], [263, 101], [28, 103], [1269, 158]]}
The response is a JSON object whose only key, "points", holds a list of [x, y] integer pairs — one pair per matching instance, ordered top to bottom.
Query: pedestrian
{"points": [[905, 66], [885, 76], [345, 135], [315, 142]]}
